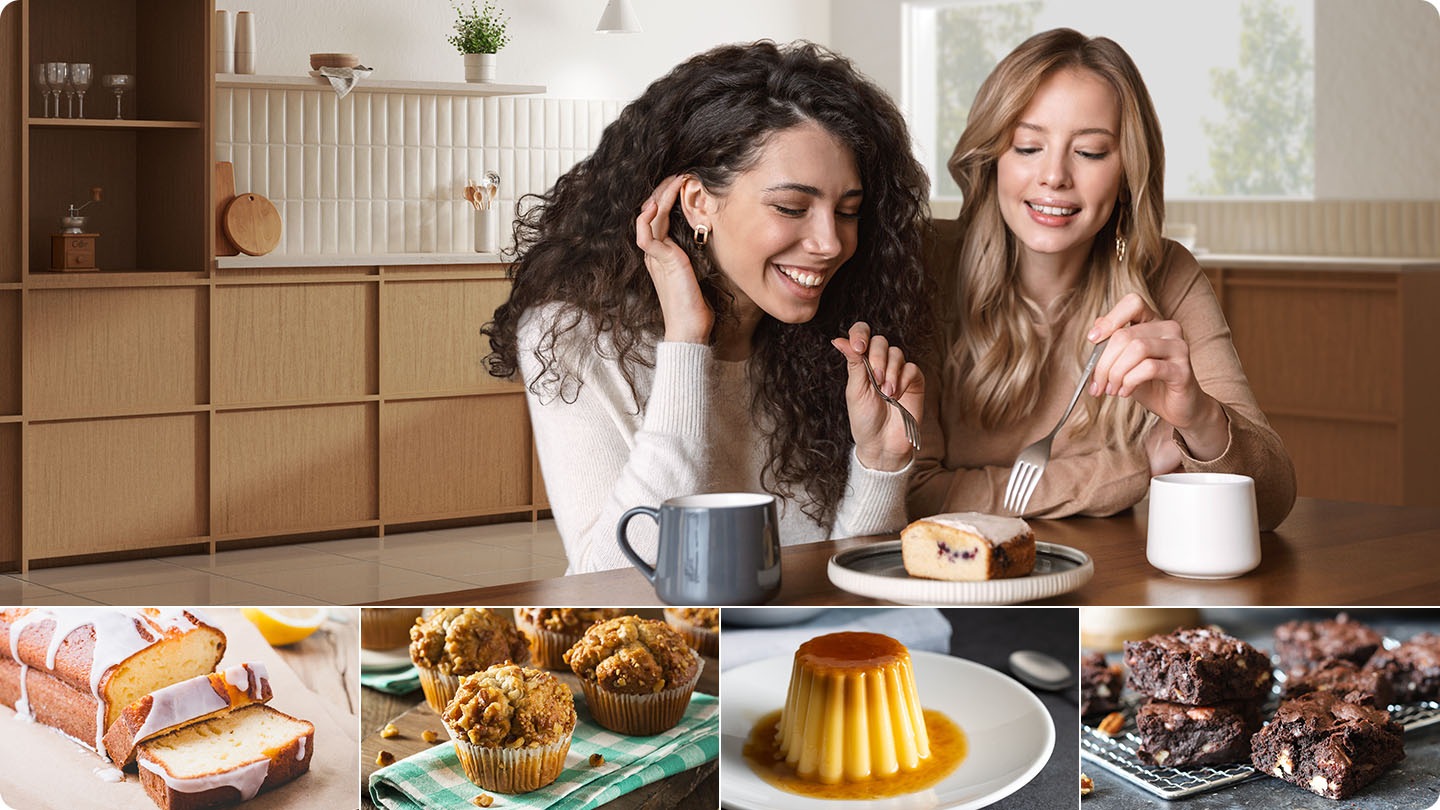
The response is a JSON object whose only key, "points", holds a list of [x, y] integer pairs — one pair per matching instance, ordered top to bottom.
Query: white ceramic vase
{"points": [[479, 67]]}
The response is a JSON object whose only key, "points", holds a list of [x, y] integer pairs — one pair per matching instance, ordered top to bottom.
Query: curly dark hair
{"points": [[710, 117]]}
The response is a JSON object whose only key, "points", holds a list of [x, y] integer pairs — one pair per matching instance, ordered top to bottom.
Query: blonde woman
{"points": [[1058, 247]]}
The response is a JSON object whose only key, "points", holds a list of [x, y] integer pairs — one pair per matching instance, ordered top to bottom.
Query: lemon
{"points": [[281, 626]]}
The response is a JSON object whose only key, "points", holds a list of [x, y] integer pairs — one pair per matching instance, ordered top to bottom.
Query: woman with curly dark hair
{"points": [[690, 303]]}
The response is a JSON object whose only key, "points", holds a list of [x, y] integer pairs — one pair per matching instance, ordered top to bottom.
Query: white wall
{"points": [[552, 42], [1377, 100]]}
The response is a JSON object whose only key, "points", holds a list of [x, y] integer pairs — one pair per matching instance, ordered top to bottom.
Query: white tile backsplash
{"points": [[385, 172]]}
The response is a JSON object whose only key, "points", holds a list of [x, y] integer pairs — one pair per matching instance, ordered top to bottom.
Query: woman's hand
{"points": [[688, 319], [1148, 359], [878, 428]]}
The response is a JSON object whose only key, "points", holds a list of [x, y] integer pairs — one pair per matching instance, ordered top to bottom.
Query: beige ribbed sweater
{"points": [[691, 431], [964, 467]]}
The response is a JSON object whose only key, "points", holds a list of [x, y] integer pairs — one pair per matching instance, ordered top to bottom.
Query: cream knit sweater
{"points": [[691, 431]]}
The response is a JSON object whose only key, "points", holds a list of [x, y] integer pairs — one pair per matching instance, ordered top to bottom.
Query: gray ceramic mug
{"points": [[716, 549]]}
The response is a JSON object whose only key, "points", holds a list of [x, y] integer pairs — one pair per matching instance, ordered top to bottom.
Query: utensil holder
{"points": [[485, 241]]}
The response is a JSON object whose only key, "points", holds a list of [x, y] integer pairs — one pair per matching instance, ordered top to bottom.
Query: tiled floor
{"points": [[335, 572]]}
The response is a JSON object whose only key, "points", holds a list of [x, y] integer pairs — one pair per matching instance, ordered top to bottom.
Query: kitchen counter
{"points": [[355, 260], [1259, 261]]}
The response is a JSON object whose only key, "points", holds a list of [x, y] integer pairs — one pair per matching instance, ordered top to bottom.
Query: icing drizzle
{"points": [[119, 634]]}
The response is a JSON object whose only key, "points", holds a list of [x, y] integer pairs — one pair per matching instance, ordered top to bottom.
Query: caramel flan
{"points": [[852, 712]]}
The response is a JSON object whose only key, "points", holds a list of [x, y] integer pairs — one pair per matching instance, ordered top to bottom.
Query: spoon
{"points": [[1040, 671]]}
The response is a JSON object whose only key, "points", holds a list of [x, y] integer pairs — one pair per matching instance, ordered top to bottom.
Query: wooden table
{"points": [[1325, 553], [693, 789]]}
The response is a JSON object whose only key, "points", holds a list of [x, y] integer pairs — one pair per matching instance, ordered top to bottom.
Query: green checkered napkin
{"points": [[393, 682], [434, 780]]}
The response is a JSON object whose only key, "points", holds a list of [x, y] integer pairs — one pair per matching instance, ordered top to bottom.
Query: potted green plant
{"points": [[479, 34]]}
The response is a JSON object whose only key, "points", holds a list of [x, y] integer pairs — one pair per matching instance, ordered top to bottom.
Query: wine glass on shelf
{"points": [[56, 73], [80, 80], [44, 83], [119, 83]]}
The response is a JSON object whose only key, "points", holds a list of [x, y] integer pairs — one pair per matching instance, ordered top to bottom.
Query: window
{"points": [[1232, 81]]}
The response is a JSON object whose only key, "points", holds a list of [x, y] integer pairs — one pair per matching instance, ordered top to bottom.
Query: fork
{"points": [[912, 430], [1030, 464]]}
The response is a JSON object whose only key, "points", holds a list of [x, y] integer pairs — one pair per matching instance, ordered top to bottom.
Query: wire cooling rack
{"points": [[1118, 754]]}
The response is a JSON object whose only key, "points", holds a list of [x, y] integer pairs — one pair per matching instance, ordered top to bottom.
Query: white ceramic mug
{"points": [[1203, 525]]}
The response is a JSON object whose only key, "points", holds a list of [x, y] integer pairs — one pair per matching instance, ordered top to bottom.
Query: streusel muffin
{"points": [[699, 625], [552, 631], [454, 642], [637, 674], [511, 727]]}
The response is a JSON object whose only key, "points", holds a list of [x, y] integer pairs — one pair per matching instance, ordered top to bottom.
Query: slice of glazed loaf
{"points": [[76, 669], [182, 703], [225, 760]]}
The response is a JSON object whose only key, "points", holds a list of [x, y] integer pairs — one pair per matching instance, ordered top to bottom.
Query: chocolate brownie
{"points": [[1304, 645], [1197, 667], [1413, 667], [1100, 685], [1369, 687], [1174, 735], [1327, 745]]}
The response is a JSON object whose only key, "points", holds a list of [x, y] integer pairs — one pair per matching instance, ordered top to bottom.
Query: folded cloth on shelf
{"points": [[344, 79], [916, 628], [392, 682], [434, 780]]}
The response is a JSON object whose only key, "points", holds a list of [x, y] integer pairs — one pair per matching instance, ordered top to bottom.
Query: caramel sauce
{"points": [[850, 652], [947, 750]]}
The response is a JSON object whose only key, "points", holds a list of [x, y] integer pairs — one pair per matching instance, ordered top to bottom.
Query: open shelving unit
{"points": [[162, 402]]}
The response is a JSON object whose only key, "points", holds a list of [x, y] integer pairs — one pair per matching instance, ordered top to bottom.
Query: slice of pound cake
{"points": [[968, 546], [184, 703], [225, 760]]}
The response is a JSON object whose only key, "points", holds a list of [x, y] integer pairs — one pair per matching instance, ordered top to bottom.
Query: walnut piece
{"points": [[1112, 724]]}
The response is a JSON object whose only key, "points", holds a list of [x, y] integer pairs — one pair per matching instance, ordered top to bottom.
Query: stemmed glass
{"points": [[56, 73], [80, 80], [119, 82], [44, 84]]}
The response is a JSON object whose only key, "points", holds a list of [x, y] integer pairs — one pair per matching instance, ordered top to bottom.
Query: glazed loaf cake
{"points": [[968, 546], [76, 669], [183, 703], [224, 760]]}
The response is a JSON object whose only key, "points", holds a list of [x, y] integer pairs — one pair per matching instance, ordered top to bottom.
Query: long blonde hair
{"points": [[999, 347]]}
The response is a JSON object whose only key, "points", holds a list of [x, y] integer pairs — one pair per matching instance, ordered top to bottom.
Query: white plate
{"points": [[877, 571], [384, 660], [1008, 735]]}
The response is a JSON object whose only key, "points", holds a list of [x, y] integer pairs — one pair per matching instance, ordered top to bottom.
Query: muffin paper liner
{"points": [[439, 688], [511, 770]]}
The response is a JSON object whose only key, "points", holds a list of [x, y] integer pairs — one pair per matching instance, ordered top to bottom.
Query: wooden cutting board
{"points": [[224, 193], [253, 224]]}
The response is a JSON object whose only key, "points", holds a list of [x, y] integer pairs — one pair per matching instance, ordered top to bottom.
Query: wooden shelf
{"points": [[371, 85], [111, 123], [48, 280]]}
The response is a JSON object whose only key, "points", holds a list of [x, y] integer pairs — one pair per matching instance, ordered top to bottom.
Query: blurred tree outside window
{"points": [[1232, 81]]}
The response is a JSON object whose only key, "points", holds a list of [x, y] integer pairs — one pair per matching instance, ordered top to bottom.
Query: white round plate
{"points": [[877, 571], [384, 660], [1008, 736]]}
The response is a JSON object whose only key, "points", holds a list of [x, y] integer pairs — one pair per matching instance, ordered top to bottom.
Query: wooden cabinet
{"points": [[1343, 362], [159, 402]]}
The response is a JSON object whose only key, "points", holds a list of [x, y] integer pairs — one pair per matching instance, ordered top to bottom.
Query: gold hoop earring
{"points": [[702, 235], [1119, 249]]}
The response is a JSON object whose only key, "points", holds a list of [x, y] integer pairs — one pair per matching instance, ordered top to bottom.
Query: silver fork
{"points": [[912, 430], [1030, 465]]}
